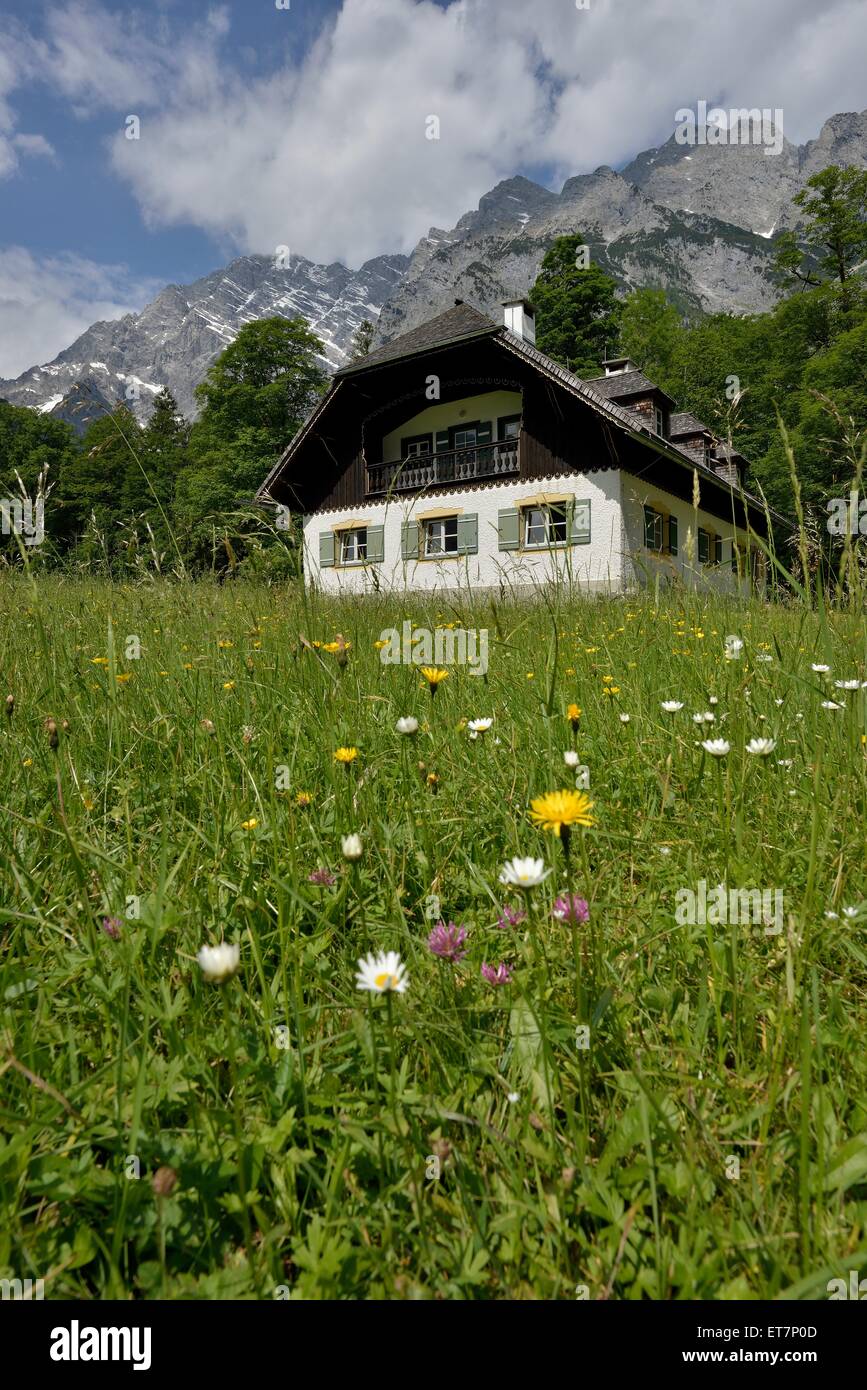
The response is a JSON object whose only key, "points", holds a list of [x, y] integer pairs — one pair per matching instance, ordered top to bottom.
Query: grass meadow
{"points": [[636, 1106]]}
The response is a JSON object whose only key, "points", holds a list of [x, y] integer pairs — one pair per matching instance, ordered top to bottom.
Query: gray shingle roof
{"points": [[463, 321], [622, 384], [684, 423]]}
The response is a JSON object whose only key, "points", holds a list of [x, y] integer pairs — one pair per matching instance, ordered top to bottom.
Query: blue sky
{"points": [[306, 126]]}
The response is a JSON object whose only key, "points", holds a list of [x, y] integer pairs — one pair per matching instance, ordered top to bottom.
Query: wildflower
{"points": [[224, 642], [383, 642], [336, 646], [762, 656], [99, 661], [820, 669], [434, 675], [228, 685], [848, 685], [611, 690], [713, 700], [832, 704], [10, 706], [671, 706], [573, 714], [707, 717], [624, 718], [408, 725], [209, 726], [479, 726], [248, 733], [53, 736], [717, 747], [761, 747], [346, 755], [570, 758], [28, 762], [784, 762], [432, 781], [303, 799], [557, 809], [249, 824], [351, 848], [665, 849], [524, 873], [322, 878], [573, 910], [851, 912], [510, 917], [111, 926], [447, 941], [219, 963], [382, 974], [501, 976], [513, 1097]]}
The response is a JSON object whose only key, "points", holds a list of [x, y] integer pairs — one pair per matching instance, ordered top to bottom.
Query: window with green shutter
{"points": [[579, 523], [509, 528], [652, 529], [468, 534], [672, 535], [409, 540], [375, 545], [703, 546], [326, 548]]}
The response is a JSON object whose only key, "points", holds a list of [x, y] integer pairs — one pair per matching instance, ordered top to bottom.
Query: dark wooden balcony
{"points": [[450, 468]]}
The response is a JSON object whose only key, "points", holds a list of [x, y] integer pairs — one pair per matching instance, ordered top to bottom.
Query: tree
{"points": [[835, 231], [577, 309], [650, 333], [362, 341], [34, 446]]}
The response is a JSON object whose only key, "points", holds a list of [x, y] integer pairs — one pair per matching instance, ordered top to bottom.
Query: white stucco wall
{"points": [[490, 406], [596, 566], [641, 566]]}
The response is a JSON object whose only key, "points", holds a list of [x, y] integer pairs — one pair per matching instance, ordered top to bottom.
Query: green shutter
{"points": [[484, 432], [442, 441], [579, 522], [509, 528], [650, 528], [468, 535], [672, 535], [409, 540], [375, 545], [703, 546], [326, 548], [717, 550]]}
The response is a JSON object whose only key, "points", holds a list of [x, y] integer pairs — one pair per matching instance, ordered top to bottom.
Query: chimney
{"points": [[520, 319]]}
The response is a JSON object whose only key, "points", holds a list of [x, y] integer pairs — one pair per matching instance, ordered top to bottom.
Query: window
{"points": [[659, 420], [508, 427], [464, 437], [416, 444], [546, 525], [653, 529], [672, 535], [441, 536], [353, 546], [703, 547]]}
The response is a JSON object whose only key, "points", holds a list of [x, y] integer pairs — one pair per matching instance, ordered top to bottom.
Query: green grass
{"points": [[304, 1123]]}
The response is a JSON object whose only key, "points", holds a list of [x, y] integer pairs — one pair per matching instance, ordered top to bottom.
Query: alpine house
{"points": [[458, 455]]}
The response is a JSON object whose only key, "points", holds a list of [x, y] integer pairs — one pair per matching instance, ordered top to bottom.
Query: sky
{"points": [[305, 123]]}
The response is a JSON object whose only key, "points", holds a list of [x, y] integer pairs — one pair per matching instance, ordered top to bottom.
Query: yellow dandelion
{"points": [[224, 642], [382, 642], [99, 661], [188, 666], [434, 675], [531, 675], [123, 678], [228, 685], [611, 690], [573, 714], [346, 755], [28, 762], [303, 799], [87, 802], [555, 810], [249, 824]]}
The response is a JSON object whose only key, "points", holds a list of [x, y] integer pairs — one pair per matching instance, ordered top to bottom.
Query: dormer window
{"points": [[659, 421]]}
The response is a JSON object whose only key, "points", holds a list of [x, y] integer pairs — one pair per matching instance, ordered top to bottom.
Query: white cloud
{"points": [[17, 65], [329, 155], [45, 303]]}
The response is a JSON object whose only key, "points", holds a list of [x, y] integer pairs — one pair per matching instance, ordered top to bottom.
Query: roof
{"points": [[463, 321], [625, 384], [684, 423], [728, 452]]}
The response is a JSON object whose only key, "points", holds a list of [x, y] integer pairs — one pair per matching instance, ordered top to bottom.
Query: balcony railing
{"points": [[453, 466]]}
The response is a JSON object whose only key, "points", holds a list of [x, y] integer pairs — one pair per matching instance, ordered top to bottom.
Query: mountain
{"points": [[696, 221], [173, 341]]}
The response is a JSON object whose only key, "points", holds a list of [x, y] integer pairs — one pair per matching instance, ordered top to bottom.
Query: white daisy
{"points": [[763, 656], [820, 669], [848, 685], [713, 700], [778, 702], [832, 704], [671, 706], [707, 717], [624, 718], [408, 725], [479, 726], [761, 746], [717, 747], [570, 758], [784, 762], [350, 846], [524, 873], [851, 912], [833, 916], [219, 963], [382, 974]]}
